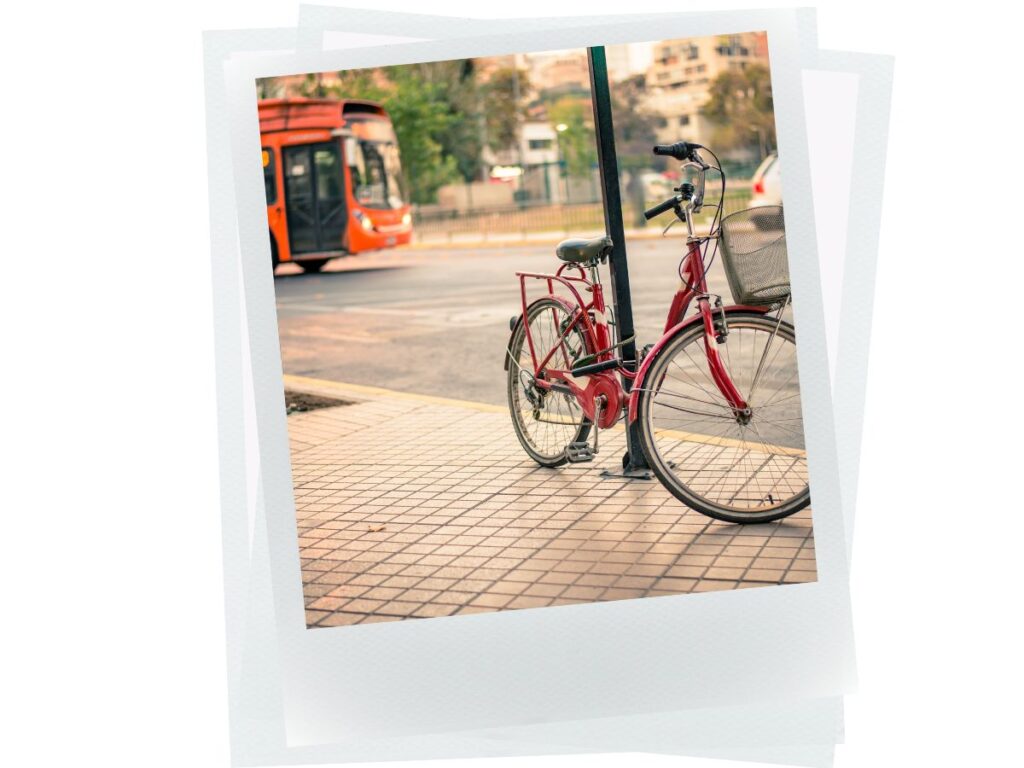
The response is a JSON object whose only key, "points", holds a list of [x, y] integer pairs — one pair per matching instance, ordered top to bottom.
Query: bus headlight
{"points": [[407, 220], [364, 221]]}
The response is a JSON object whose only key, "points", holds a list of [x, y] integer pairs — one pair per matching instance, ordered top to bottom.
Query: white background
{"points": [[110, 550]]}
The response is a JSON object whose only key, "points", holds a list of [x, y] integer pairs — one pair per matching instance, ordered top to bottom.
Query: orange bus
{"points": [[333, 180]]}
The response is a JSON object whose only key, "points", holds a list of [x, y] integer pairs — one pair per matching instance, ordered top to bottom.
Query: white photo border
{"points": [[225, 277]]}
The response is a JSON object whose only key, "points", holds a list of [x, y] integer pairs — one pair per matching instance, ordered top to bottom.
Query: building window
{"points": [[684, 120], [540, 143]]}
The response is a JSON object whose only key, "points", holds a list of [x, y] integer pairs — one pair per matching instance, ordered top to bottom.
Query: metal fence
{"points": [[536, 219]]}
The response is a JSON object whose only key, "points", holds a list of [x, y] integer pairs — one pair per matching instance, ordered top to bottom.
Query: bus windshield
{"points": [[376, 173]]}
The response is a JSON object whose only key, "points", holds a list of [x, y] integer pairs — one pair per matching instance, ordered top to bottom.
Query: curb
{"points": [[361, 392]]}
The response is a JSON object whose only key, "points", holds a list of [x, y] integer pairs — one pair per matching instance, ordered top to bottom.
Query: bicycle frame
{"points": [[692, 287], [591, 320]]}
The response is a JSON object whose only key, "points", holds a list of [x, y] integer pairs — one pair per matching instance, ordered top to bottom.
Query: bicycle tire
{"points": [[716, 441], [551, 450]]}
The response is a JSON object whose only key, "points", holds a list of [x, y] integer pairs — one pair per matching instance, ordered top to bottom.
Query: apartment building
{"points": [[681, 72]]}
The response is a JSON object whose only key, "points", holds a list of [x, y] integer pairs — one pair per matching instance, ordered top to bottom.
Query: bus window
{"points": [[328, 173], [376, 173], [269, 178]]}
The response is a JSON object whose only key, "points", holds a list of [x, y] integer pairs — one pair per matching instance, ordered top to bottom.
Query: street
{"points": [[435, 322]]}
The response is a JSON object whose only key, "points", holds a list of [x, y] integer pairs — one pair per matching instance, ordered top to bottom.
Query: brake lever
{"points": [[698, 200]]}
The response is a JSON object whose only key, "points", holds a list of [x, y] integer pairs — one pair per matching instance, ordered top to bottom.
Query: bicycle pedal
{"points": [[578, 452]]}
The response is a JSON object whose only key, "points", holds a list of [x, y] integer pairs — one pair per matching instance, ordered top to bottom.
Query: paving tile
{"points": [[471, 525], [554, 577], [596, 580], [713, 586], [508, 587], [582, 592], [381, 593], [622, 594], [455, 597], [491, 600], [528, 601], [327, 603], [397, 608], [465, 609], [434, 610], [341, 618]]}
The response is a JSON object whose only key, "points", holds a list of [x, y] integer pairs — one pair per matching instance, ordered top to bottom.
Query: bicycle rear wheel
{"points": [[545, 422], [728, 466]]}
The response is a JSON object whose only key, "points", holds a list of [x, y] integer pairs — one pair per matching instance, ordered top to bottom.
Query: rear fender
{"points": [[517, 321], [641, 375]]}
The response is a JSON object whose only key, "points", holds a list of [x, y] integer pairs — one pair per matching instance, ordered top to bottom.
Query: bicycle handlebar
{"points": [[681, 150], [686, 152], [660, 208]]}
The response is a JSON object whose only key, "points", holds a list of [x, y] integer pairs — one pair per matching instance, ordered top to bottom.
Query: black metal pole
{"points": [[633, 462]]}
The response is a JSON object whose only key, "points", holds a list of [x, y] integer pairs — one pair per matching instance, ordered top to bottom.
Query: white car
{"points": [[766, 186]]}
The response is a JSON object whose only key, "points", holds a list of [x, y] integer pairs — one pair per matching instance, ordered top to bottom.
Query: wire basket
{"points": [[753, 246]]}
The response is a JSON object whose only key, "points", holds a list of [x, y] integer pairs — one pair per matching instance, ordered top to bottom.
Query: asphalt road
{"points": [[436, 321]]}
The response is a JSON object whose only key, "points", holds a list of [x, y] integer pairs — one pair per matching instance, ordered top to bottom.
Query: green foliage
{"points": [[454, 85], [269, 88], [414, 98], [501, 104], [740, 109], [438, 111], [635, 125], [635, 135], [577, 143]]}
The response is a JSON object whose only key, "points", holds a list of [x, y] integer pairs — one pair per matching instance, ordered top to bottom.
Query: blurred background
{"points": [[503, 148], [402, 200]]}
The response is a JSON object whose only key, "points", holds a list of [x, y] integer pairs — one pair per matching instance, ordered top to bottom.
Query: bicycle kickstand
{"points": [[581, 451]]}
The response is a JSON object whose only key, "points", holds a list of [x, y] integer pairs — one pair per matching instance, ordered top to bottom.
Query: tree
{"points": [[455, 84], [502, 106], [741, 110], [421, 116], [635, 125], [635, 135], [577, 143]]}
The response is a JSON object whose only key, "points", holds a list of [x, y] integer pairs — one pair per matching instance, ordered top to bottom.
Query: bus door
{"points": [[315, 197]]}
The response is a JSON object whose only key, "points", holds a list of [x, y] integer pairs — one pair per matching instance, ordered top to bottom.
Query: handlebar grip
{"points": [[681, 150], [660, 208]]}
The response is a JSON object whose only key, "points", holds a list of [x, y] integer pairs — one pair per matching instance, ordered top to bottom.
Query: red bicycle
{"points": [[716, 400]]}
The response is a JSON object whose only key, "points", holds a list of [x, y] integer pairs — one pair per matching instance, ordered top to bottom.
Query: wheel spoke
{"points": [[546, 421], [729, 464]]}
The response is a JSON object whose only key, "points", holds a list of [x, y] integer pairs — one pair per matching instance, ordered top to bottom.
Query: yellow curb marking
{"points": [[298, 382], [361, 389]]}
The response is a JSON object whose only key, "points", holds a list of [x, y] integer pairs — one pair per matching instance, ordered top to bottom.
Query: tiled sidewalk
{"points": [[415, 507]]}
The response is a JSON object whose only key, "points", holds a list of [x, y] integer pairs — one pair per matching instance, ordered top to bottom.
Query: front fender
{"points": [[641, 375]]}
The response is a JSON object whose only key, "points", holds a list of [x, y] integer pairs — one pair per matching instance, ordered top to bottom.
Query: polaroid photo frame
{"points": [[839, 112]]}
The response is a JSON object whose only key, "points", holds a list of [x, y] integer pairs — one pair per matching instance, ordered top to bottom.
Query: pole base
{"points": [[630, 470]]}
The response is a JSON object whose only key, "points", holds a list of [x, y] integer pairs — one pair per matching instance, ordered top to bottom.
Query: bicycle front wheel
{"points": [[741, 468]]}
